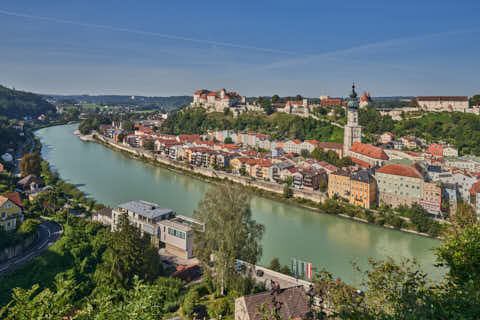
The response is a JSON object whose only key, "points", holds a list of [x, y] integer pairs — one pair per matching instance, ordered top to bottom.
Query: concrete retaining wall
{"points": [[12, 252]]}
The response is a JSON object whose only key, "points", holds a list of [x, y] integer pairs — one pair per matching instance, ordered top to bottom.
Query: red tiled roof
{"points": [[212, 94], [364, 96], [442, 98], [294, 102], [296, 141], [330, 145], [369, 151], [361, 163], [400, 170], [475, 188], [14, 197]]}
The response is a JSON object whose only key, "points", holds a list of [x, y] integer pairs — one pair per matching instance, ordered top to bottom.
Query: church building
{"points": [[353, 131]]}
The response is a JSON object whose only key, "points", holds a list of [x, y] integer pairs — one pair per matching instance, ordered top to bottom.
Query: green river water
{"points": [[327, 241]]}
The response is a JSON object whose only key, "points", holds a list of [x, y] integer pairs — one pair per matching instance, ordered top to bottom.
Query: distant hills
{"points": [[166, 103], [16, 104]]}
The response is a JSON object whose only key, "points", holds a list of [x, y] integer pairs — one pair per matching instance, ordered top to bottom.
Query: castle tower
{"points": [[353, 131]]}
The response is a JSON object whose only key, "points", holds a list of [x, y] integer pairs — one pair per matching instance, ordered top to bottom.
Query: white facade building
{"points": [[443, 103]]}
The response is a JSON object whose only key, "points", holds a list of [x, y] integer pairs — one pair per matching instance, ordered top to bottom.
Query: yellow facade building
{"points": [[358, 188], [10, 214]]}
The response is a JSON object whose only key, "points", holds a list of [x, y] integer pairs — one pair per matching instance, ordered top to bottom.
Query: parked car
{"points": [[240, 266], [259, 273]]}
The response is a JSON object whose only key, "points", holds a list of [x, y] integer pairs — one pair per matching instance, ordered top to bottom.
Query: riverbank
{"points": [[313, 201]]}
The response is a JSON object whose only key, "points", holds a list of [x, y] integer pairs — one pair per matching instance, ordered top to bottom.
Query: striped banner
{"points": [[301, 269], [309, 271]]}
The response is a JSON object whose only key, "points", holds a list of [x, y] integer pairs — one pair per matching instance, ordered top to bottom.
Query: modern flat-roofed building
{"points": [[143, 215], [177, 234]]}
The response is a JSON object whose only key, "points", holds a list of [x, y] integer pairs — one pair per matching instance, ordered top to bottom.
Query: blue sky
{"points": [[254, 47]]}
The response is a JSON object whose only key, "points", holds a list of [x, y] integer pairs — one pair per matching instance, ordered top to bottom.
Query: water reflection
{"points": [[327, 241]]}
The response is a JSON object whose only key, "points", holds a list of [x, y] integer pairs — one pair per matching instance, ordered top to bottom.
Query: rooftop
{"points": [[369, 151], [400, 170], [146, 209], [182, 223], [293, 303]]}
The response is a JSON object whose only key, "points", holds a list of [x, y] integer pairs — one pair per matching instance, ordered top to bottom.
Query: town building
{"points": [[217, 100], [365, 100], [443, 103], [301, 108], [352, 130], [386, 137], [293, 146], [435, 150], [450, 152], [367, 155], [469, 163], [309, 178], [462, 180], [30, 183], [339, 184], [399, 184], [405, 185], [359, 188], [363, 189], [449, 195], [432, 197], [475, 197], [11, 214], [143, 215], [103, 216], [177, 235], [293, 302]]}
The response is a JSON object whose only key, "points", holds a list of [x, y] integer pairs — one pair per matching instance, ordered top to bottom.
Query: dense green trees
{"points": [[475, 100], [16, 104], [373, 123], [278, 125], [457, 128], [10, 137], [331, 157], [31, 163], [230, 234], [129, 255], [395, 290]]}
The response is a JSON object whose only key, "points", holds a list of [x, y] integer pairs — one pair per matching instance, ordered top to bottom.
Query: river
{"points": [[328, 242]]}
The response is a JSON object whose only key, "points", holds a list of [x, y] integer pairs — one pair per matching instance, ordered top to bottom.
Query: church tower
{"points": [[353, 132]]}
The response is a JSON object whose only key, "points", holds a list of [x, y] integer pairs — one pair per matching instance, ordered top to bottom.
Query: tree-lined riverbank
{"points": [[325, 240]]}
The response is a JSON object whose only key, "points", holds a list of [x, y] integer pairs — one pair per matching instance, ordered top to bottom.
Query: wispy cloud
{"points": [[148, 33], [336, 54]]}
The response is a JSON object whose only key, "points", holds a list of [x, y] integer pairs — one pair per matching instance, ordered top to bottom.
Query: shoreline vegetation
{"points": [[329, 206]]}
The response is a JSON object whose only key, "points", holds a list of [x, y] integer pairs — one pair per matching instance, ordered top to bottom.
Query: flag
{"points": [[309, 271]]}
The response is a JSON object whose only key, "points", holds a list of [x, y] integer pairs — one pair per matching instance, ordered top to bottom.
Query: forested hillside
{"points": [[167, 103], [16, 104], [277, 125], [460, 129]]}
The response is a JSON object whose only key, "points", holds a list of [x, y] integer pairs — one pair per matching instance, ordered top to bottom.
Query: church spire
{"points": [[353, 95]]}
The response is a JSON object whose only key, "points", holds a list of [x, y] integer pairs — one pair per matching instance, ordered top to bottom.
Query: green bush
{"points": [[191, 300], [220, 307]]}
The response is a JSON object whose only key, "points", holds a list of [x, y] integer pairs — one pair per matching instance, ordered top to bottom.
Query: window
{"points": [[4, 214], [176, 233]]}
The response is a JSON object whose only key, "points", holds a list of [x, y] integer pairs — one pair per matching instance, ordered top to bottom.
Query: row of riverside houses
{"points": [[382, 173]]}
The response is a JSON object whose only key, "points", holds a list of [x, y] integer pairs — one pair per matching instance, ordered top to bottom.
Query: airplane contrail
{"points": [[148, 33]]}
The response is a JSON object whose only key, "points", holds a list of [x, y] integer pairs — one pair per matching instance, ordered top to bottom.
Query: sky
{"points": [[263, 47]]}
